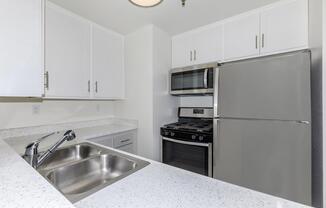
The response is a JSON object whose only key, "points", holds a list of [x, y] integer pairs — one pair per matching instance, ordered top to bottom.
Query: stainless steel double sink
{"points": [[80, 170]]}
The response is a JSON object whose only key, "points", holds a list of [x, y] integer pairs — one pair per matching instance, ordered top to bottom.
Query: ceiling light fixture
{"points": [[146, 3], [151, 3], [183, 3]]}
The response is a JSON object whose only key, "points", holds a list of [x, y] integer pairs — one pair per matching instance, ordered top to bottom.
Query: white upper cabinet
{"points": [[284, 27], [276, 28], [241, 36], [208, 45], [201, 46], [180, 52], [67, 54], [21, 62], [107, 64]]}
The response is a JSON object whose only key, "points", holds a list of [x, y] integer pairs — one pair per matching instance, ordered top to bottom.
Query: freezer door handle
{"points": [[216, 92], [303, 122]]}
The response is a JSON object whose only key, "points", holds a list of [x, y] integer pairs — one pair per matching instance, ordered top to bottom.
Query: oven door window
{"points": [[188, 80], [188, 157]]}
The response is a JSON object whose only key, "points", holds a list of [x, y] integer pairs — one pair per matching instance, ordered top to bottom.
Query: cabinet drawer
{"points": [[123, 139]]}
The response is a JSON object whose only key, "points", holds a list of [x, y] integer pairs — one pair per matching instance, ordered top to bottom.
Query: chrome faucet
{"points": [[32, 155]]}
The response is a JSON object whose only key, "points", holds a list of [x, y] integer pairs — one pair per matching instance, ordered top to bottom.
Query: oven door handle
{"points": [[187, 143]]}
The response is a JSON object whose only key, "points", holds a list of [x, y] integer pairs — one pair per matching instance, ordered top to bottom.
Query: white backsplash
{"points": [[196, 101]]}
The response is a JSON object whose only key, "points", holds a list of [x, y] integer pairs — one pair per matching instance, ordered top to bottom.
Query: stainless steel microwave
{"points": [[194, 80]]}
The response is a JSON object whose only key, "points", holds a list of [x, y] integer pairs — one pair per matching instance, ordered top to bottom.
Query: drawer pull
{"points": [[124, 141]]}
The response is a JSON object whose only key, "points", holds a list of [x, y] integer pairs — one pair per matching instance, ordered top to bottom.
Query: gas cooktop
{"points": [[196, 125]]}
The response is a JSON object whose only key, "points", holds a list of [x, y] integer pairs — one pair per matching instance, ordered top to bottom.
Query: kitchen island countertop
{"points": [[155, 186]]}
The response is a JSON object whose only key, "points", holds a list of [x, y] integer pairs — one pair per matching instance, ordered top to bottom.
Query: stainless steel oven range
{"points": [[187, 144]]}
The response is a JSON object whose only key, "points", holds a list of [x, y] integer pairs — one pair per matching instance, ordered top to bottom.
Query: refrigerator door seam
{"points": [[259, 119]]}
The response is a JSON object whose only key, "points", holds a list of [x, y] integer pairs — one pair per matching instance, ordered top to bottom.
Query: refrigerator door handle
{"points": [[216, 92], [215, 145], [210, 160]]}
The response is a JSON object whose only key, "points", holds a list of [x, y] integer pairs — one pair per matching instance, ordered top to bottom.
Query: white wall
{"points": [[315, 43], [147, 62], [139, 89], [324, 100], [196, 101], [165, 106], [26, 113]]}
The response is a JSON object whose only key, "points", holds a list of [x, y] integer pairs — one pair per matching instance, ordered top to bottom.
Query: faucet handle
{"points": [[70, 135], [32, 149]]}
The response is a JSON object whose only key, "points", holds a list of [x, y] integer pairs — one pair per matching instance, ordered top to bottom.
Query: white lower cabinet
{"points": [[105, 140], [126, 141], [127, 148]]}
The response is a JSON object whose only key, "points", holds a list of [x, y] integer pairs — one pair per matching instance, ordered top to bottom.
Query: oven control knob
{"points": [[166, 133], [172, 134], [193, 137], [201, 138]]}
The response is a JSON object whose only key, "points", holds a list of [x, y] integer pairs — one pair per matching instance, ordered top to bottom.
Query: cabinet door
{"points": [[285, 27], [241, 37], [208, 45], [67, 54], [181, 54], [21, 62], [107, 63], [105, 140], [128, 148]]}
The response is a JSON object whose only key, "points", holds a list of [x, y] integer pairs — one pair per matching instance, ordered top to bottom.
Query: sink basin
{"points": [[70, 154], [80, 170], [86, 175]]}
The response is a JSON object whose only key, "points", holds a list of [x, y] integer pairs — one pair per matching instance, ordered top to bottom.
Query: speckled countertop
{"points": [[155, 186], [162, 186]]}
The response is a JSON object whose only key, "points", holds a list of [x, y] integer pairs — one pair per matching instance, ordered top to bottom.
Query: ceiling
{"points": [[170, 16]]}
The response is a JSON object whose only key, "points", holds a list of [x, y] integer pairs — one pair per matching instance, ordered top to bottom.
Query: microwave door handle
{"points": [[206, 79]]}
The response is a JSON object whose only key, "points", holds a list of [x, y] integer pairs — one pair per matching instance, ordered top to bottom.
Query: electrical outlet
{"points": [[36, 109]]}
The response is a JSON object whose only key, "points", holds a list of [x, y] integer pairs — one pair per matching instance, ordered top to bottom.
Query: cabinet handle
{"points": [[263, 40], [256, 41], [190, 55], [195, 55], [46, 80], [89, 85], [96, 87], [124, 141]]}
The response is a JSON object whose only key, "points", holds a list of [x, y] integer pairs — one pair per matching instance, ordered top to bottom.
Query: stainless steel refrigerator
{"points": [[262, 125]]}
